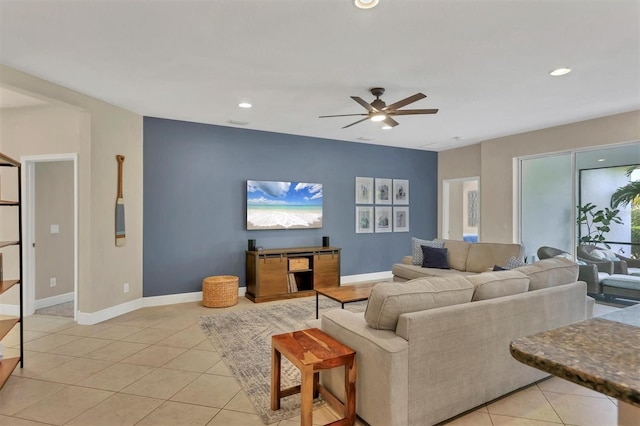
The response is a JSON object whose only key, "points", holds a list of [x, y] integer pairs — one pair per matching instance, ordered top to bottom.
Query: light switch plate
{"points": [[55, 229]]}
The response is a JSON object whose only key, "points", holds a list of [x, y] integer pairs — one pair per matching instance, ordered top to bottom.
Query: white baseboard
{"points": [[351, 279], [171, 299], [54, 300], [145, 302], [13, 310]]}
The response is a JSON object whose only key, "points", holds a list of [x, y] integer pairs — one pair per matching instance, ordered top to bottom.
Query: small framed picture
{"points": [[364, 190], [383, 190], [400, 191], [364, 219], [383, 219], [401, 219]]}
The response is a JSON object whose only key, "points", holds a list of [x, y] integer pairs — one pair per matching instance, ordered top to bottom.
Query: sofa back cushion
{"points": [[458, 252], [484, 256], [550, 273], [490, 285], [390, 300]]}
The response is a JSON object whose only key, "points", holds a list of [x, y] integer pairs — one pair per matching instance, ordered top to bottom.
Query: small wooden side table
{"points": [[310, 351]]}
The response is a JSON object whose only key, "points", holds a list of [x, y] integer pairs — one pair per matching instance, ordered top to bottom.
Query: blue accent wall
{"points": [[195, 193]]}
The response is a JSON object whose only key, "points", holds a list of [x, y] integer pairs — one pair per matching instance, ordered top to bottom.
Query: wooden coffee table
{"points": [[345, 294]]}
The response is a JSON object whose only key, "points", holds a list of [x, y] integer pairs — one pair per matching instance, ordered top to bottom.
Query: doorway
{"points": [[461, 209], [51, 234]]}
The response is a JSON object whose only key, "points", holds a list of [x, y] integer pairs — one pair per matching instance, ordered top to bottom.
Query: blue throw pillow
{"points": [[434, 258]]}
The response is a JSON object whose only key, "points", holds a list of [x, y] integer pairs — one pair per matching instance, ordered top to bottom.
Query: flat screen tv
{"points": [[283, 205]]}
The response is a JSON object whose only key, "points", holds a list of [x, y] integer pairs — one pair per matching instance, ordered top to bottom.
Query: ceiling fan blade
{"points": [[405, 101], [364, 104], [412, 111], [342, 115], [359, 121], [390, 121]]}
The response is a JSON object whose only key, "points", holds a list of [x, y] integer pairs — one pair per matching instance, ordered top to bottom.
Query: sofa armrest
{"points": [[407, 260], [604, 266], [620, 267], [589, 274], [382, 363]]}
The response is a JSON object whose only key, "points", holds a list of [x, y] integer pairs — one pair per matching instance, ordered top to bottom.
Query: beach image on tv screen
{"points": [[283, 205]]}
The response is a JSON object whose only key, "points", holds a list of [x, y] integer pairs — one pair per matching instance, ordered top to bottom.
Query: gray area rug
{"points": [[61, 310], [244, 341]]}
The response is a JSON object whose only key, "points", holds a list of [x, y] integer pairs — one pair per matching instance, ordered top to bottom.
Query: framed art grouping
{"points": [[364, 190], [383, 190], [400, 191], [364, 219], [383, 219], [401, 219]]}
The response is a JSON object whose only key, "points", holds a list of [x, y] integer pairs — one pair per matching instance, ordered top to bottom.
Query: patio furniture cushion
{"points": [[629, 282]]}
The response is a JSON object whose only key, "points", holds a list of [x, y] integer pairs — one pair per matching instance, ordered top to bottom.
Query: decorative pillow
{"points": [[417, 248], [598, 254], [609, 254], [564, 256], [434, 258], [513, 262], [581, 262], [550, 273], [490, 285], [390, 300]]}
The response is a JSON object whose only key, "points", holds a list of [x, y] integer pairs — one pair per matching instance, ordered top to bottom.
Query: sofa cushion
{"points": [[417, 244], [458, 252], [483, 256], [434, 258], [404, 272], [550, 273], [490, 285], [390, 300]]}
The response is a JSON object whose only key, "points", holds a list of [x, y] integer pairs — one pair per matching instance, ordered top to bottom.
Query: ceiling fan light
{"points": [[366, 4], [378, 117]]}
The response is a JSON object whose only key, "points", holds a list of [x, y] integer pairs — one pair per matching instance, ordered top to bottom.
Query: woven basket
{"points": [[220, 291]]}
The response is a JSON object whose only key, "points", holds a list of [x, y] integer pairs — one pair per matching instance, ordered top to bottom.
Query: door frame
{"points": [[445, 203], [29, 214]]}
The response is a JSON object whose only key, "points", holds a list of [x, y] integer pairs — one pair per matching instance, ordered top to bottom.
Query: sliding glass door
{"points": [[547, 203]]}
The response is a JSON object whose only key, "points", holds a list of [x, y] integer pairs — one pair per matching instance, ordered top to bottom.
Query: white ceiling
{"points": [[483, 63]]}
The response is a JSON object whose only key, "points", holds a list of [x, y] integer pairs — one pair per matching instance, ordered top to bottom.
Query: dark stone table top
{"points": [[601, 353]]}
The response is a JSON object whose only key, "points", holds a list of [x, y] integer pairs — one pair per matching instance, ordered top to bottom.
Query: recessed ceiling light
{"points": [[366, 4], [560, 71], [244, 105], [238, 122], [386, 127], [362, 138], [458, 138], [600, 160]]}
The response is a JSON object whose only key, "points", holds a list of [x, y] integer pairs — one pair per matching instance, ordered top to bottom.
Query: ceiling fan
{"points": [[378, 110]]}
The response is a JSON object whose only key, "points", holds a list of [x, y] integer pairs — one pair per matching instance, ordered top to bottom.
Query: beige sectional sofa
{"points": [[465, 258], [432, 348]]}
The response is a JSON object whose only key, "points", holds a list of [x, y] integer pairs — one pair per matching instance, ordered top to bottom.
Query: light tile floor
{"points": [[155, 367]]}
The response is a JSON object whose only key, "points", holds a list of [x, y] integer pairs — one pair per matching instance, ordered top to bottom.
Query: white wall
{"points": [[103, 132], [495, 157]]}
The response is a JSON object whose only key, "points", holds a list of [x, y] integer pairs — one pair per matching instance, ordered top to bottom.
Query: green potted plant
{"points": [[597, 222]]}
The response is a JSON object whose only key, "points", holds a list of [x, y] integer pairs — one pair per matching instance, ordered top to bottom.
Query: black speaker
{"points": [[325, 242], [252, 245]]}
